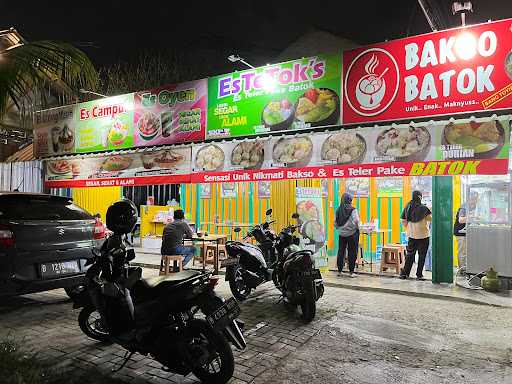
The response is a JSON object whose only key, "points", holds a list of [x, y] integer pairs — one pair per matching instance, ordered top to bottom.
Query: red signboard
{"points": [[442, 73]]}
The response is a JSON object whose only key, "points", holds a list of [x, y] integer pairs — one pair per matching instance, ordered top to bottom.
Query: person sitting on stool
{"points": [[415, 217], [173, 235]]}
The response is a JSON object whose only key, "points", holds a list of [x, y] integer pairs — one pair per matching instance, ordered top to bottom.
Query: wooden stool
{"points": [[392, 257], [168, 261]]}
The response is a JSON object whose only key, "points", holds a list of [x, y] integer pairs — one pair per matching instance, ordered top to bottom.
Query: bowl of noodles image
{"points": [[485, 140], [404, 144], [293, 151], [210, 158], [314, 230]]}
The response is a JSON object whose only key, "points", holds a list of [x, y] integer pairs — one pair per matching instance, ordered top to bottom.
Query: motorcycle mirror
{"points": [[269, 212], [295, 215], [266, 225], [238, 229]]}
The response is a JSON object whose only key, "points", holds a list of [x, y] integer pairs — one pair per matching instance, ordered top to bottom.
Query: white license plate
{"points": [[228, 262], [59, 268], [223, 315]]}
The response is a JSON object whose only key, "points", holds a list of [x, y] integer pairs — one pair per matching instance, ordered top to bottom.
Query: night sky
{"points": [[114, 30]]}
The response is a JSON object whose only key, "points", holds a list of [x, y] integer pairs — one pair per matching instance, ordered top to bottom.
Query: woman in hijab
{"points": [[416, 217], [347, 225]]}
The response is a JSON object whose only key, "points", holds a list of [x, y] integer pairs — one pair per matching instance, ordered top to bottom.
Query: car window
{"points": [[40, 208]]}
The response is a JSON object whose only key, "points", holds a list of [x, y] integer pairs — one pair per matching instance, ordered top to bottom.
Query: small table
{"points": [[370, 233], [211, 238]]}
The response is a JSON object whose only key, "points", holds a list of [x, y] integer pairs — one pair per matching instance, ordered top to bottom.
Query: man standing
{"points": [[416, 217], [172, 239]]}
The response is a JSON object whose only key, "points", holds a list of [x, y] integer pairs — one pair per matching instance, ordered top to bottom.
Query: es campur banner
{"points": [[442, 73], [293, 95], [171, 114], [104, 124]]}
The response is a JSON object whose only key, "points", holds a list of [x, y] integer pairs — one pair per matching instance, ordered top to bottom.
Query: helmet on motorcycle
{"points": [[122, 216]]}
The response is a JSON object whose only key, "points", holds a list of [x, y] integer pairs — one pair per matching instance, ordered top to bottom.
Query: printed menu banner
{"points": [[455, 71], [293, 95], [171, 114], [104, 124], [54, 132], [464, 146], [453, 147], [160, 167], [358, 186], [389, 187], [228, 190], [264, 190], [205, 191], [311, 220]]}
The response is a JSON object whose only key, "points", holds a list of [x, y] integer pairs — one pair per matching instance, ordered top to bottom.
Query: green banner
{"points": [[294, 95], [104, 124]]}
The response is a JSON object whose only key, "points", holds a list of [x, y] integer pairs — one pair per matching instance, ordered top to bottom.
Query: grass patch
{"points": [[17, 367]]}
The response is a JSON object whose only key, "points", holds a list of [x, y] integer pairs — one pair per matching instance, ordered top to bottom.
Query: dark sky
{"points": [[119, 30]]}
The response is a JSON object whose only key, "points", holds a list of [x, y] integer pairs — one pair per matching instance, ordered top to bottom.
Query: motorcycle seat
{"points": [[169, 280]]}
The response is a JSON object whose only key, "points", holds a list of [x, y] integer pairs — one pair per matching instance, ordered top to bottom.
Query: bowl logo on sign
{"points": [[371, 82]]}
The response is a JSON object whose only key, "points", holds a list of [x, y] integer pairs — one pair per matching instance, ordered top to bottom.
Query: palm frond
{"points": [[32, 66]]}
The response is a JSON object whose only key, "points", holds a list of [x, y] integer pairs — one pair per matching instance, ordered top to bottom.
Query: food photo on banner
{"points": [[460, 70], [293, 95], [171, 114], [104, 124], [54, 132], [139, 168], [358, 186], [264, 188], [229, 190], [205, 191], [311, 220]]}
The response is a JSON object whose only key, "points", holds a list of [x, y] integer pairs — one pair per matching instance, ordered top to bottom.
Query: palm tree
{"points": [[28, 68]]}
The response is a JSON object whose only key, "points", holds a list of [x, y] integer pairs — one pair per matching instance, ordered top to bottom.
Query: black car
{"points": [[45, 241]]}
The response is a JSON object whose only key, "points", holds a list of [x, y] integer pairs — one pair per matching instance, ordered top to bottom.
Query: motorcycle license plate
{"points": [[228, 262], [313, 274], [223, 315]]}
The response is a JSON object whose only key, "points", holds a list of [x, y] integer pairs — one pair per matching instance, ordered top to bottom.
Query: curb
{"points": [[414, 294]]}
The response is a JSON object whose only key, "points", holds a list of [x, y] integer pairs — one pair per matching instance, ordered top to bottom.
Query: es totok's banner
{"points": [[442, 73], [293, 95]]}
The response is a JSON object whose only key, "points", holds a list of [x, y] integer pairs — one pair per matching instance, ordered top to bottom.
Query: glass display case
{"points": [[489, 231]]}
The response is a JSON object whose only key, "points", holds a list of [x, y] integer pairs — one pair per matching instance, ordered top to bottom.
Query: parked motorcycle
{"points": [[278, 258], [248, 265], [295, 275], [159, 316]]}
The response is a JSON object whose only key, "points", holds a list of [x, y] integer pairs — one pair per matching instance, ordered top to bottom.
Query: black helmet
{"points": [[122, 216]]}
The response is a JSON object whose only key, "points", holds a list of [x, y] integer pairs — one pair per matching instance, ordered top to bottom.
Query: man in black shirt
{"points": [[172, 239]]}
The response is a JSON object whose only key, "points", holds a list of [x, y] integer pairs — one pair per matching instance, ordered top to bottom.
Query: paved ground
{"points": [[358, 337]]}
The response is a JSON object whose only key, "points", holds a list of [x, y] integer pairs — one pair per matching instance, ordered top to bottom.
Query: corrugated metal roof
{"points": [[24, 154]]}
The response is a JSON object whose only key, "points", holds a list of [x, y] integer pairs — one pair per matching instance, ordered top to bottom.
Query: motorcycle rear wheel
{"points": [[238, 287], [308, 308], [89, 321], [220, 368]]}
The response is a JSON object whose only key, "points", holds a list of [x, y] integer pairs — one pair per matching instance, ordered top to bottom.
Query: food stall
{"points": [[377, 121]]}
